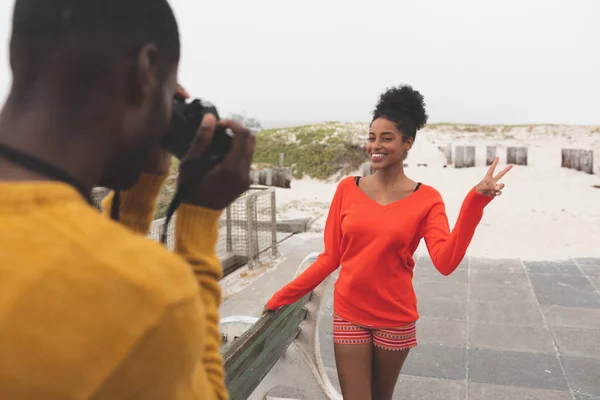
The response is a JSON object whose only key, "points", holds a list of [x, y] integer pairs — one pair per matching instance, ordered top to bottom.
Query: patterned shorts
{"points": [[391, 339]]}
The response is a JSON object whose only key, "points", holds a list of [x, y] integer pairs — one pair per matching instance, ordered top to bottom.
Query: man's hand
{"points": [[227, 180]]}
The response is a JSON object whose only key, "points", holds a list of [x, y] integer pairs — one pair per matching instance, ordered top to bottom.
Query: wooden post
{"points": [[448, 153], [490, 155], [511, 155], [469, 156], [522, 156], [459, 157], [281, 159], [565, 159], [576, 159], [587, 161], [269, 178], [250, 230], [229, 235], [274, 251]]}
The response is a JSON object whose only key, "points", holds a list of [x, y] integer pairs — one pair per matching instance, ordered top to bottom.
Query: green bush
{"points": [[317, 151]]}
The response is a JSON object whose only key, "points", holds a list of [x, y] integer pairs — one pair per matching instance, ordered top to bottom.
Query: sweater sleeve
{"points": [[138, 204], [196, 235], [447, 249], [324, 265]]}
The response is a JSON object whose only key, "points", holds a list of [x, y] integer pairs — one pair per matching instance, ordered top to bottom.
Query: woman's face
{"points": [[386, 145]]}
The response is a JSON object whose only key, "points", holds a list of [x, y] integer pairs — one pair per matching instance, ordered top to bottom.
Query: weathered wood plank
{"points": [[490, 155], [511, 155], [522, 155], [469, 156], [459, 157], [565, 158], [587, 161], [251, 357]]}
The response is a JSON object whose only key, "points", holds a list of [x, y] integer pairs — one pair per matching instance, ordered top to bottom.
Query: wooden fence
{"points": [[490, 155], [516, 155], [464, 157], [578, 159], [278, 177], [247, 228]]}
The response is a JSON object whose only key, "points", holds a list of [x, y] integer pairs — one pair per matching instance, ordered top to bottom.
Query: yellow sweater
{"points": [[91, 309]]}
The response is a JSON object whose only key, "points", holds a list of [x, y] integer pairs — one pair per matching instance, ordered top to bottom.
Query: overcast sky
{"points": [[501, 61]]}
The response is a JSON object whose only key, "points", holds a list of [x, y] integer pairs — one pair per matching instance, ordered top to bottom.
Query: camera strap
{"points": [[42, 167], [194, 170]]}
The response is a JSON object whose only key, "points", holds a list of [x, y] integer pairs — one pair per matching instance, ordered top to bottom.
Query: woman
{"points": [[372, 231]]}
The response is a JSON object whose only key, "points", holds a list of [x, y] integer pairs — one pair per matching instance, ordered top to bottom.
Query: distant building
{"points": [[252, 123]]}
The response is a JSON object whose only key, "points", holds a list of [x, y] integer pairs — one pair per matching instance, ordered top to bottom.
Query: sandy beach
{"points": [[545, 213]]}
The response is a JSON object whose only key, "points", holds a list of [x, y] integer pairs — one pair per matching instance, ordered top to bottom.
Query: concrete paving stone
{"points": [[426, 261], [496, 265], [565, 267], [428, 273], [511, 279], [442, 290], [563, 290], [495, 294], [443, 309], [522, 314], [572, 317], [440, 331], [510, 337], [577, 342], [436, 361], [508, 368], [583, 374], [418, 388], [484, 391]]}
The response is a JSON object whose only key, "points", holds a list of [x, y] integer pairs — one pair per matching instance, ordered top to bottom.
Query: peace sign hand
{"points": [[489, 186]]}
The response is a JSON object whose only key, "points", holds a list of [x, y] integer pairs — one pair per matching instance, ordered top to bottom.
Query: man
{"points": [[89, 308]]}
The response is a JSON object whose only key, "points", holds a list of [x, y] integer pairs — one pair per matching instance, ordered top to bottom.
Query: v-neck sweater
{"points": [[374, 245]]}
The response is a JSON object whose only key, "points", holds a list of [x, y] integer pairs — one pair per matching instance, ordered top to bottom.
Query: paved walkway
{"points": [[495, 329]]}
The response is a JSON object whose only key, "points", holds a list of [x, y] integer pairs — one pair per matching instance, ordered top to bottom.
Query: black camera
{"points": [[185, 121]]}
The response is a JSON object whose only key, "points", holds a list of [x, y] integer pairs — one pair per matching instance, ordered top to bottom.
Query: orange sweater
{"points": [[374, 245], [91, 309]]}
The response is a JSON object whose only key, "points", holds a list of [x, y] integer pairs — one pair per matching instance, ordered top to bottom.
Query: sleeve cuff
{"points": [[142, 197], [478, 200], [138, 204], [196, 228]]}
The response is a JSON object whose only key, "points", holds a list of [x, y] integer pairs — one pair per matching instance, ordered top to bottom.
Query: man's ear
{"points": [[143, 77]]}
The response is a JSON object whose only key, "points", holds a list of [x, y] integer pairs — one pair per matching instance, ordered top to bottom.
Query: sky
{"points": [[485, 62]]}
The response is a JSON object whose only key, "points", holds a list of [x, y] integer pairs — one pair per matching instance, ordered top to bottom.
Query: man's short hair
{"points": [[45, 31]]}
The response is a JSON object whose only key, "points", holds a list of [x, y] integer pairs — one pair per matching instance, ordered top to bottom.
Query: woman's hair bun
{"points": [[402, 101]]}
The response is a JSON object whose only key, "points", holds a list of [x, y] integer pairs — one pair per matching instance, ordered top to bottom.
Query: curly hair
{"points": [[403, 106]]}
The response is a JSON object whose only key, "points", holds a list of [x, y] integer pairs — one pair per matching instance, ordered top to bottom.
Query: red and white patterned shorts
{"points": [[391, 339]]}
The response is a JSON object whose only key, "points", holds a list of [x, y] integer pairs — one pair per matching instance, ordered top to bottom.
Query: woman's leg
{"points": [[391, 348], [353, 358], [354, 363], [387, 366]]}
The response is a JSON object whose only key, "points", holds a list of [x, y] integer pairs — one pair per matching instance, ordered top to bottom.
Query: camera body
{"points": [[185, 122]]}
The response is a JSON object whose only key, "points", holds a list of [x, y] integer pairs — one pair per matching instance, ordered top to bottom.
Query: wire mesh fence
{"points": [[247, 229]]}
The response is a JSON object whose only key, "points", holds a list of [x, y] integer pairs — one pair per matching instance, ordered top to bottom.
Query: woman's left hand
{"points": [[489, 186]]}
